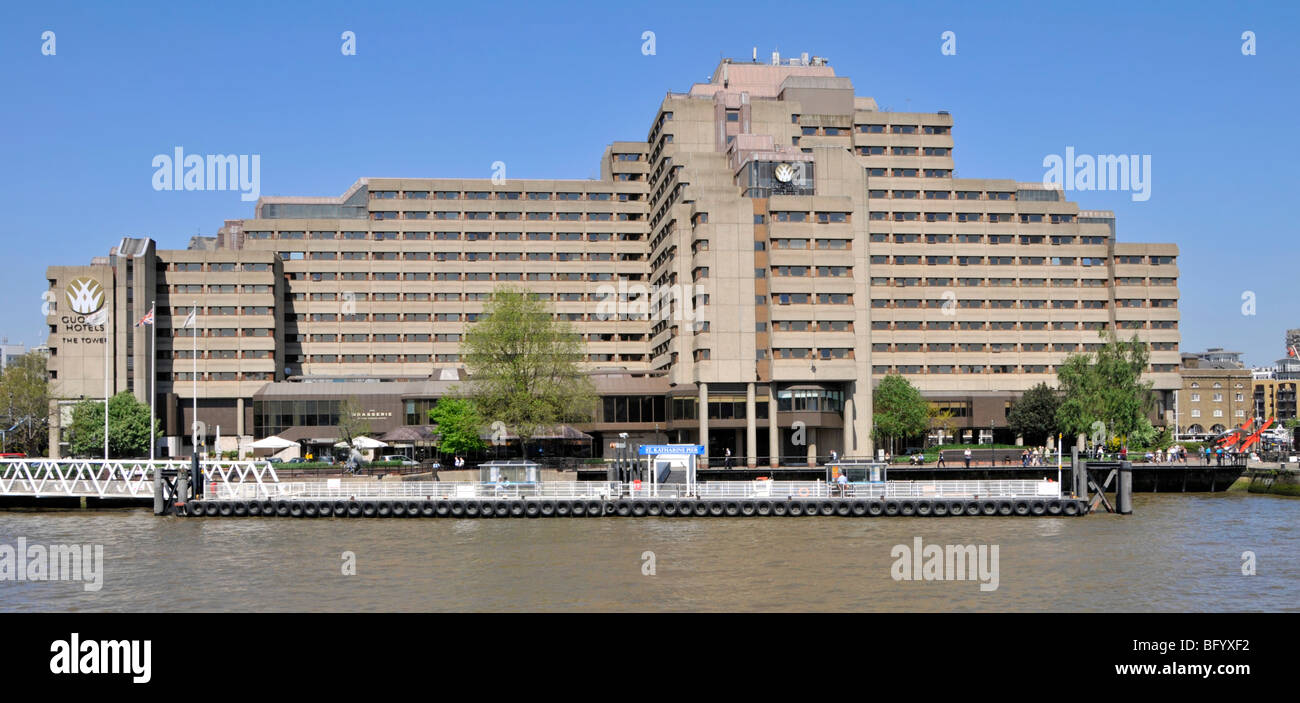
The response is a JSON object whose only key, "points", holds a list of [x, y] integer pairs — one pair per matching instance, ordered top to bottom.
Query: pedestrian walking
{"points": [[966, 455]]}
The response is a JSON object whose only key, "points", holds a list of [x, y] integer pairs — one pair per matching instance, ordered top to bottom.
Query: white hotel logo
{"points": [[85, 295]]}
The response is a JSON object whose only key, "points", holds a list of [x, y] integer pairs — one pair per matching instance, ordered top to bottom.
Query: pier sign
{"points": [[656, 449]]}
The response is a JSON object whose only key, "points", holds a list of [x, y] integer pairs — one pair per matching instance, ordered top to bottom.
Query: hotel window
{"points": [[790, 216]]}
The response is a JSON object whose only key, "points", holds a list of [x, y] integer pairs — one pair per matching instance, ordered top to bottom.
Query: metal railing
{"points": [[416, 490], [609, 490]]}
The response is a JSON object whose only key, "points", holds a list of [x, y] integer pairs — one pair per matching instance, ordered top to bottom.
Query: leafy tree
{"points": [[524, 365], [1106, 388], [25, 405], [898, 410], [1033, 415], [945, 421], [350, 423], [458, 424], [128, 427]]}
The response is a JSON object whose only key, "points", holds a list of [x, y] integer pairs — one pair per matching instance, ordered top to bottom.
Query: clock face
{"points": [[784, 173]]}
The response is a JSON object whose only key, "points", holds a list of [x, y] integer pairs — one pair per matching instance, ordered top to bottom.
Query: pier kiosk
{"points": [[672, 463], [858, 471], [509, 472]]}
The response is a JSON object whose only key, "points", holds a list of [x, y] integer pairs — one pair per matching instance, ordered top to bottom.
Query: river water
{"points": [[1175, 553]]}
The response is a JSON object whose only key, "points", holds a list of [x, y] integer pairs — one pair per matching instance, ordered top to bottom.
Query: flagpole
{"points": [[107, 338], [194, 356], [153, 373]]}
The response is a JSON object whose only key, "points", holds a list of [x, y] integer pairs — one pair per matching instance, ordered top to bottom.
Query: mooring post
{"points": [[196, 475], [1077, 475], [182, 484], [1124, 492], [159, 505]]}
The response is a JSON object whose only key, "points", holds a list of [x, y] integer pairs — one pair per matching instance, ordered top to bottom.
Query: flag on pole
{"points": [[191, 319], [146, 320]]}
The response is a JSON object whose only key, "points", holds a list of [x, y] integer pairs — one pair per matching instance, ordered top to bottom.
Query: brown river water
{"points": [[1175, 553]]}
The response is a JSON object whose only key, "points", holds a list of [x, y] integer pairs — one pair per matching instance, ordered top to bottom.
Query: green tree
{"points": [[525, 366], [1107, 388], [25, 405], [898, 410], [1033, 415], [459, 425], [128, 427]]}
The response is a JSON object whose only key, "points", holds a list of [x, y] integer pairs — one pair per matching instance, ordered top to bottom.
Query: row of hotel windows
{"points": [[871, 129], [905, 151], [878, 172], [503, 194], [530, 216], [822, 218], [1026, 218], [447, 236], [913, 238], [462, 256], [914, 260], [218, 266], [800, 271], [913, 281], [967, 303], [398, 317], [597, 317], [880, 325], [439, 337], [1004, 346], [216, 354], [426, 358], [987, 368], [220, 376]]}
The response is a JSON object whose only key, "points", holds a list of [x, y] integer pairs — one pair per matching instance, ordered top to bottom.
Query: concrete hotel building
{"points": [[813, 243]]}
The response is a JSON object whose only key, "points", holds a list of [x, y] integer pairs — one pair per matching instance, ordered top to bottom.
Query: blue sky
{"points": [[440, 91]]}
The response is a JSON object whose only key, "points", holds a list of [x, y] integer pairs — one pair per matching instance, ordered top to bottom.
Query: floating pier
{"points": [[252, 489], [615, 499]]}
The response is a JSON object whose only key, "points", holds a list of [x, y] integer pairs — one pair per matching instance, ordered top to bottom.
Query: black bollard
{"points": [[196, 475], [1124, 493]]}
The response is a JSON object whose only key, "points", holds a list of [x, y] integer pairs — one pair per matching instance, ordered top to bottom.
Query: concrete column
{"points": [[55, 422], [239, 422], [704, 422], [751, 428], [773, 429], [849, 444], [812, 446]]}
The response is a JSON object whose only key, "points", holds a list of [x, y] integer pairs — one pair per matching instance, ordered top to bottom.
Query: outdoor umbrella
{"points": [[274, 442]]}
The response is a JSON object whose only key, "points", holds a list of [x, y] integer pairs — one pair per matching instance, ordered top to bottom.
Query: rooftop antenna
{"points": [[756, 54]]}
